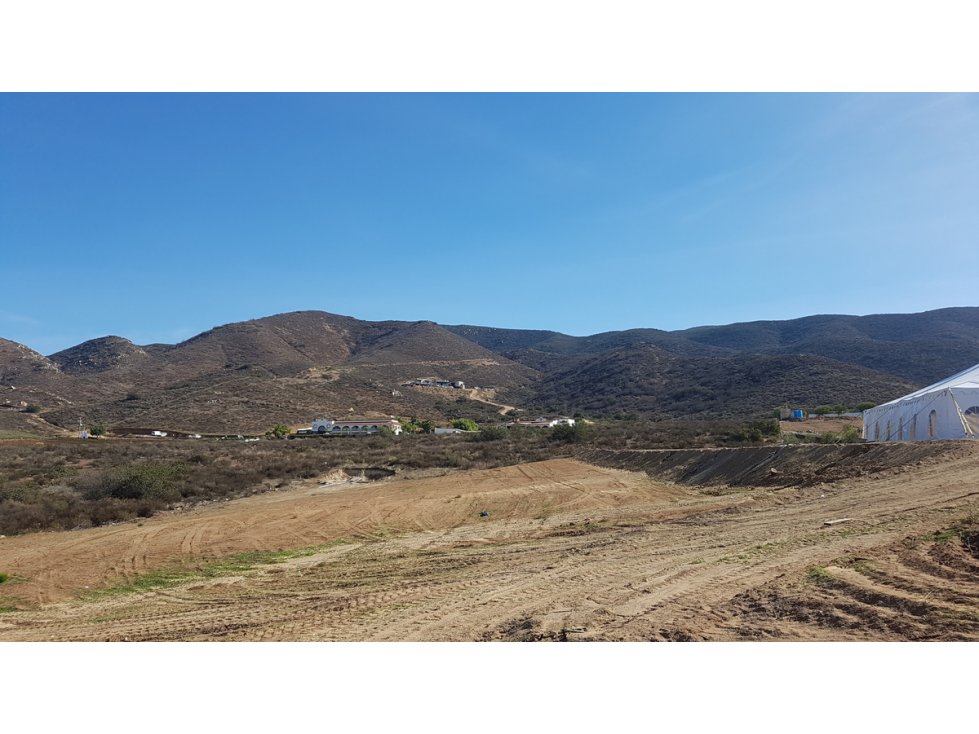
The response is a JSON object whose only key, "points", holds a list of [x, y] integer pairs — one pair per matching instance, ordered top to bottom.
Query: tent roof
{"points": [[965, 378]]}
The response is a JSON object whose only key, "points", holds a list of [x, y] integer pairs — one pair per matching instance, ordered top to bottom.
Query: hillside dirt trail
{"points": [[484, 396], [569, 551]]}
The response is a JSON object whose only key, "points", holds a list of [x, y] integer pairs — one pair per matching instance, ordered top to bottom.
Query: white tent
{"points": [[947, 409]]}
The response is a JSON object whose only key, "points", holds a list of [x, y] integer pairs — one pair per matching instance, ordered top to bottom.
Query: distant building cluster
{"points": [[424, 382], [539, 422], [354, 426]]}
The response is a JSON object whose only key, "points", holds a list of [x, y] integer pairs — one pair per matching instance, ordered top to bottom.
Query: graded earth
{"points": [[878, 543]]}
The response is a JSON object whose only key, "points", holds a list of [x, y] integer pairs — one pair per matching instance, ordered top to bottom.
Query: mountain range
{"points": [[290, 368]]}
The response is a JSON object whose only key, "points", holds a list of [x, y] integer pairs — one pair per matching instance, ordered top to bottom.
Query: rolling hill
{"points": [[289, 368], [245, 377], [644, 380]]}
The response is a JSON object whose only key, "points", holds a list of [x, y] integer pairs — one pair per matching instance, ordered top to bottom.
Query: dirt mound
{"points": [[777, 466], [556, 550], [56, 565]]}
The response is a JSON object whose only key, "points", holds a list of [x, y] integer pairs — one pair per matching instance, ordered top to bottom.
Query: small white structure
{"points": [[427, 382], [946, 410], [540, 422], [354, 426]]}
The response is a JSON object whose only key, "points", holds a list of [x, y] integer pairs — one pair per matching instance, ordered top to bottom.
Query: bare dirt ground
{"points": [[484, 395], [815, 424], [569, 551]]}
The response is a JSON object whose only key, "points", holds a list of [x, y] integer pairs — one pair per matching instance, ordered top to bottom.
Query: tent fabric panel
{"points": [[966, 378], [967, 402], [915, 418]]}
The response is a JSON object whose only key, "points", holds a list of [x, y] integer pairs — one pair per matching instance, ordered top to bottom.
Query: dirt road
{"points": [[568, 551]]}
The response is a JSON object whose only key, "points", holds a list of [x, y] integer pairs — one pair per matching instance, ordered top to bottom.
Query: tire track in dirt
{"points": [[607, 562]]}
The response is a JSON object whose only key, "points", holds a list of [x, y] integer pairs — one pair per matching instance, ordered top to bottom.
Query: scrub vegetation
{"points": [[63, 484]]}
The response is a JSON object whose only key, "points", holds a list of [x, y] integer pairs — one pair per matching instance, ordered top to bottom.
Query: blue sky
{"points": [[157, 216]]}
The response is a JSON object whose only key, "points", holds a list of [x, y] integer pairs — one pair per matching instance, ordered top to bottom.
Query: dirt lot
{"points": [[816, 424], [568, 551]]}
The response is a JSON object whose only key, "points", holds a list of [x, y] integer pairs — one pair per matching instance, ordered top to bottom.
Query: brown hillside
{"points": [[99, 355], [290, 368], [648, 381]]}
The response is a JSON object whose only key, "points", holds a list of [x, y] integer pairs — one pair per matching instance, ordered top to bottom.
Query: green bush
{"points": [[32, 409], [827, 409], [465, 424], [416, 426], [279, 430], [755, 431], [493, 433], [564, 433], [849, 434], [143, 481], [4, 578]]}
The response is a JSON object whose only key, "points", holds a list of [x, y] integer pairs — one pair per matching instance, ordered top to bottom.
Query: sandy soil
{"points": [[815, 424], [569, 551]]}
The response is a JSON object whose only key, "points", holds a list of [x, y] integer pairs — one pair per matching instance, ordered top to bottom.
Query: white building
{"points": [[426, 382], [947, 409], [541, 422], [354, 426]]}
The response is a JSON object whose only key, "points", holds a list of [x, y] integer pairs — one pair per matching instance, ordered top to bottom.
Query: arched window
{"points": [[933, 424], [336, 428], [346, 428], [321, 429], [900, 429], [913, 430], [876, 431], [890, 435]]}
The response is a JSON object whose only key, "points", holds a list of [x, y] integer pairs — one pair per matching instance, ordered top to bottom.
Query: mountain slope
{"points": [[921, 348], [98, 355], [292, 367], [288, 368], [647, 381]]}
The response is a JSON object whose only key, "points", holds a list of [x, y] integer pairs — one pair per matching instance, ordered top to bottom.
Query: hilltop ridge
{"points": [[247, 375]]}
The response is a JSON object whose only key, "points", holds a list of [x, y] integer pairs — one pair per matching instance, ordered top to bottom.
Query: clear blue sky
{"points": [[155, 217]]}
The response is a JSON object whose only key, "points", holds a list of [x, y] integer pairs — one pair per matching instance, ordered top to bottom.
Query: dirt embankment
{"points": [[775, 466], [555, 550]]}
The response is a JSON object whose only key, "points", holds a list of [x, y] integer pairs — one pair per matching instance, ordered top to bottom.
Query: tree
{"points": [[865, 406], [465, 424], [413, 425], [427, 426], [97, 430], [279, 430], [493, 433], [563, 433]]}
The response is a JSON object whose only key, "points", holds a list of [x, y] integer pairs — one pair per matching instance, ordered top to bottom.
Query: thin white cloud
{"points": [[8, 317]]}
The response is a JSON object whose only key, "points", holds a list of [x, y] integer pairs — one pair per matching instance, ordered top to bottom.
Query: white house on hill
{"points": [[354, 426]]}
